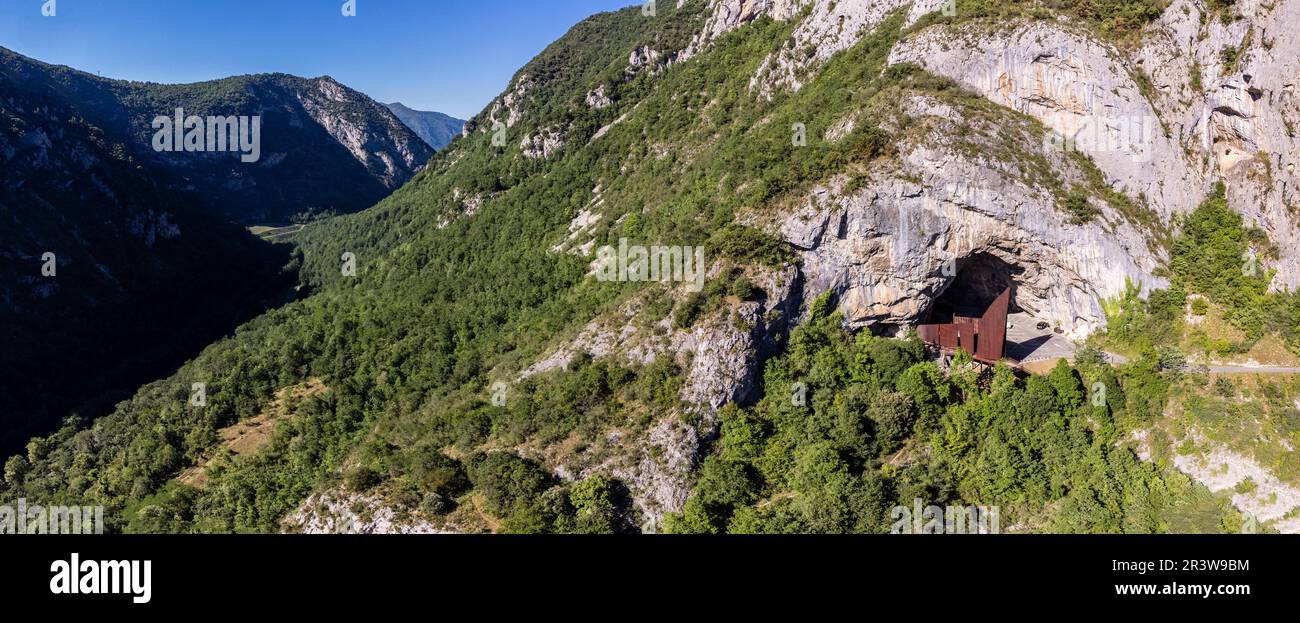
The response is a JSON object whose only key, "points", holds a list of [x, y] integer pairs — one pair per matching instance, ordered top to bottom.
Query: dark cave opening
{"points": [[980, 279]]}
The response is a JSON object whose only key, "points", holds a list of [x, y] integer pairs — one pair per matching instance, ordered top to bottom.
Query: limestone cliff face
{"points": [[830, 28], [1077, 88], [1201, 121], [1159, 122], [1238, 123], [374, 136], [1164, 146], [881, 248], [890, 248]]}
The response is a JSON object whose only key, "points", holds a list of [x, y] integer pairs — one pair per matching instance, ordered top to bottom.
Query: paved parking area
{"points": [[1027, 343]]}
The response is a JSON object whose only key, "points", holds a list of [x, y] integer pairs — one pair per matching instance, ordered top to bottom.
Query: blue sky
{"points": [[452, 56]]}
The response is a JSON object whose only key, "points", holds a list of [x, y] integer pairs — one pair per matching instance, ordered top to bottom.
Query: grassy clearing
{"points": [[1212, 340], [1254, 415], [249, 436]]}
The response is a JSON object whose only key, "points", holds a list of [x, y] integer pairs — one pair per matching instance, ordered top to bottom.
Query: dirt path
{"points": [[1253, 370]]}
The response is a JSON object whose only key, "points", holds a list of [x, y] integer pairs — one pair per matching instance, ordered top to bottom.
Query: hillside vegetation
{"points": [[147, 266], [459, 289]]}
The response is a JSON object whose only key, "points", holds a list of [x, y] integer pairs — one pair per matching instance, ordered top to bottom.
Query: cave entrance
{"points": [[980, 279]]}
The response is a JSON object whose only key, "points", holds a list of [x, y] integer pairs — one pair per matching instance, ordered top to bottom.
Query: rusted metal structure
{"points": [[984, 337]]}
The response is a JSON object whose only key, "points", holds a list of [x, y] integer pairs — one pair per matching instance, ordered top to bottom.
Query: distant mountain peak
{"points": [[437, 129], [328, 147]]}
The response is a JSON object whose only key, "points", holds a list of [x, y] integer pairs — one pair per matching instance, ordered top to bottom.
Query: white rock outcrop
{"points": [[1200, 121], [882, 248]]}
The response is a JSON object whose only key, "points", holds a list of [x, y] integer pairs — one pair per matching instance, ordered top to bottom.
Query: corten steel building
{"points": [[984, 337]]}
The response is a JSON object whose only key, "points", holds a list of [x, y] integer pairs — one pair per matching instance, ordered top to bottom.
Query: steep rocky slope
{"points": [[1207, 119], [324, 148], [868, 158], [968, 181], [144, 267], [109, 276]]}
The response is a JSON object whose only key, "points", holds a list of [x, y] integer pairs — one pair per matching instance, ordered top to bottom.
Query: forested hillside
{"points": [[326, 149], [120, 262], [108, 277], [474, 375]]}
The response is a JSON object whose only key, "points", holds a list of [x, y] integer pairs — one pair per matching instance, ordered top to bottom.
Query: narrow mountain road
{"points": [[271, 233], [1117, 359], [1252, 370]]}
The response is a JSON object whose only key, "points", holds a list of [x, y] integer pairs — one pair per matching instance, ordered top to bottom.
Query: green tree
{"points": [[894, 413], [594, 507]]}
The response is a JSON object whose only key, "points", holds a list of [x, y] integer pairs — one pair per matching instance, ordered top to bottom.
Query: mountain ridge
{"points": [[437, 129], [328, 148], [142, 241], [483, 378]]}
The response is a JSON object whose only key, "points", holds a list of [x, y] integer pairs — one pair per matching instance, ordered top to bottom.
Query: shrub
{"points": [[1080, 208], [749, 246], [743, 289], [689, 310], [1224, 387], [893, 413], [361, 479], [435, 504]]}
